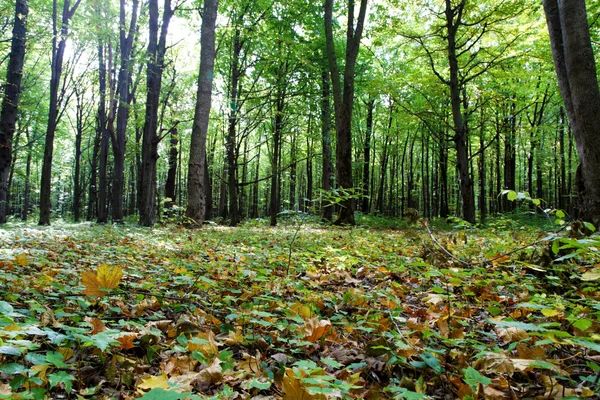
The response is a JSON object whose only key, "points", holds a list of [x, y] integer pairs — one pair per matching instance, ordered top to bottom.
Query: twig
{"points": [[435, 241]]}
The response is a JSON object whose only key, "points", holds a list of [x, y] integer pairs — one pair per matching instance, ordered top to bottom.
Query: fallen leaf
{"points": [[106, 277], [315, 329], [152, 382]]}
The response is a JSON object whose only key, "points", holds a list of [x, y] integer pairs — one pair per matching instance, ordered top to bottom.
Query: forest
{"points": [[110, 93], [265, 199]]}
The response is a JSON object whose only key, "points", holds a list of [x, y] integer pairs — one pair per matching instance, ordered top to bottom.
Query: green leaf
{"points": [[511, 195], [560, 214], [590, 226], [6, 308], [583, 324], [519, 325], [10, 351], [56, 359], [330, 362], [433, 362], [13, 369], [62, 377], [473, 378], [255, 383], [162, 394]]}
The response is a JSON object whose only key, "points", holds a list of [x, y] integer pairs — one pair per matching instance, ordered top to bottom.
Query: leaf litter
{"points": [[110, 312]]}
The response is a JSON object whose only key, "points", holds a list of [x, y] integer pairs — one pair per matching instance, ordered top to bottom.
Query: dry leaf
{"points": [[21, 260], [106, 277], [97, 325], [315, 329], [511, 334], [127, 341], [205, 343], [213, 374], [153, 382], [294, 390]]}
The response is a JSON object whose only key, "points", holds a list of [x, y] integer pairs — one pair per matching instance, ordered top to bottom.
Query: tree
{"points": [[59, 43], [157, 47], [576, 70], [343, 101], [10, 102], [119, 139], [197, 167]]}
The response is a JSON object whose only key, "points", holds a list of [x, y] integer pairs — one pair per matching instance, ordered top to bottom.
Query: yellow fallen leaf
{"points": [[21, 260], [592, 275], [106, 277], [550, 312], [154, 382]]}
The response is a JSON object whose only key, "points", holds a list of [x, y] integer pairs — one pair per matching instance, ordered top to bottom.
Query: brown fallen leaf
{"points": [[315, 329], [294, 390]]}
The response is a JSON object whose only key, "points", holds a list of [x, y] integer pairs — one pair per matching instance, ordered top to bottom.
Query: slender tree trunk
{"points": [[157, 47], [58, 50], [124, 96], [10, 102], [343, 102], [107, 133], [461, 133], [231, 142], [367, 158], [77, 173], [327, 177], [275, 178], [198, 179], [170, 184], [27, 194]]}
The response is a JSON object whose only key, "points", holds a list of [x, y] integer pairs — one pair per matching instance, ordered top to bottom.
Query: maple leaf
{"points": [[21, 260], [106, 277], [315, 329], [127, 341], [205, 343], [153, 382], [294, 390]]}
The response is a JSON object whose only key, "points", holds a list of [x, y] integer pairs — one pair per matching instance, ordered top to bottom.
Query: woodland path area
{"points": [[301, 311]]}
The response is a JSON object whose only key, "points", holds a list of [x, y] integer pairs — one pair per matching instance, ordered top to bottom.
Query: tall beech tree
{"points": [[59, 43], [157, 47], [576, 70], [343, 101], [10, 102], [119, 138], [197, 167]]}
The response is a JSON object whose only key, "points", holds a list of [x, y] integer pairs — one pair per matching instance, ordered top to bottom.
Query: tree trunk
{"points": [[58, 50], [576, 70], [10, 102], [343, 103], [461, 133], [119, 140], [150, 140], [231, 143], [367, 158], [77, 173], [327, 178], [198, 179], [170, 184], [27, 195], [275, 200]]}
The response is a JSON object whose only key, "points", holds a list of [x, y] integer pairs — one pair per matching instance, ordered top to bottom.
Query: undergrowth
{"points": [[303, 311]]}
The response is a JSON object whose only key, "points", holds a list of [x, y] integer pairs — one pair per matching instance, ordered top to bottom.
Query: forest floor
{"points": [[301, 311]]}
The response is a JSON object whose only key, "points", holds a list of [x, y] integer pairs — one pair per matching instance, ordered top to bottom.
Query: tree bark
{"points": [[58, 50], [155, 66], [576, 70], [124, 96], [10, 102], [343, 103], [367, 158], [197, 167], [327, 177]]}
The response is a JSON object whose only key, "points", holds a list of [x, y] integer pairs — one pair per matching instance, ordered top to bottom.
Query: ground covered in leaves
{"points": [[302, 311]]}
